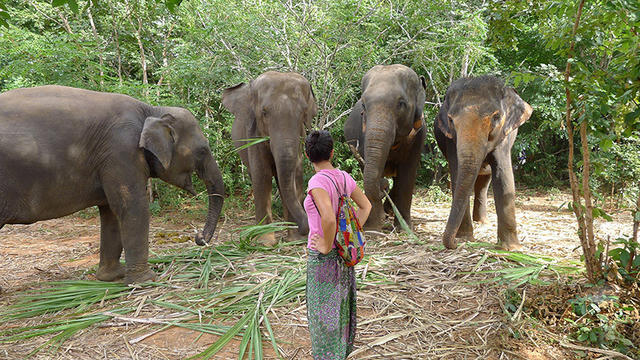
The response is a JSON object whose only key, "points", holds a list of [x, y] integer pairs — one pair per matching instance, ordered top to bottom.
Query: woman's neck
{"points": [[322, 165]]}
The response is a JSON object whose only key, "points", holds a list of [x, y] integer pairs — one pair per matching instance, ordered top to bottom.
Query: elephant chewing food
{"points": [[278, 106], [475, 129], [386, 133], [65, 149]]}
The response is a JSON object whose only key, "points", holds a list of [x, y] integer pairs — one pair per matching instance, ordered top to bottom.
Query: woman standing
{"points": [[331, 285]]}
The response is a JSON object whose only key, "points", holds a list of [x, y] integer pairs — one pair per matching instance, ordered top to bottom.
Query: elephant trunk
{"points": [[378, 140], [469, 163], [289, 168], [209, 172]]}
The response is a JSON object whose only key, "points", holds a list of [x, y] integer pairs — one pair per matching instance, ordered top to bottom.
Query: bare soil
{"points": [[430, 308]]}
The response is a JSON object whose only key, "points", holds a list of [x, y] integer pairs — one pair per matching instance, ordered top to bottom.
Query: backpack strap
{"points": [[334, 185]]}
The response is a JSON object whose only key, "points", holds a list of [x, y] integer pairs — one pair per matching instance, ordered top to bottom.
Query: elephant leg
{"points": [[261, 177], [405, 183], [504, 193], [480, 203], [130, 205], [376, 216], [466, 228], [293, 234], [110, 268]]}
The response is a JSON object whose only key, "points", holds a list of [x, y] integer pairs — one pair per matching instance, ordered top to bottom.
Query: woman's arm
{"points": [[364, 205], [327, 220]]}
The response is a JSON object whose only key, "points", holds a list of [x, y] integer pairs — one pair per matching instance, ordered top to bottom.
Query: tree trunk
{"points": [[65, 22], [116, 37], [98, 41], [165, 60], [143, 61], [584, 218], [636, 219]]}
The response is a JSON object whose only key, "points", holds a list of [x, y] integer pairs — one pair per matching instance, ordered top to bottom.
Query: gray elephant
{"points": [[279, 106], [475, 130], [386, 132], [65, 149]]}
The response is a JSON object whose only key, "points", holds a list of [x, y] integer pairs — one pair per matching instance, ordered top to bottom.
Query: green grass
{"points": [[519, 269]]}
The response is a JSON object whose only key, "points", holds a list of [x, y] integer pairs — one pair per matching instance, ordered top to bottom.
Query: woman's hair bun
{"points": [[318, 145]]}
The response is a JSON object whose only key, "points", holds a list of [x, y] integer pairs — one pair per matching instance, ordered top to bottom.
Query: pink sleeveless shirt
{"points": [[320, 180]]}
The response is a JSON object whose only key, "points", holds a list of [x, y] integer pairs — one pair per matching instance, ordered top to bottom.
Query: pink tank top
{"points": [[319, 180]]}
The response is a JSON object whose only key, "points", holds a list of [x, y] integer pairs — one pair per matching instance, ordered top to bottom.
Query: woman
{"points": [[331, 286]]}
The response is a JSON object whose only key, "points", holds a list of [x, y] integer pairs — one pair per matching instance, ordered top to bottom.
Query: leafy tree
{"points": [[599, 43]]}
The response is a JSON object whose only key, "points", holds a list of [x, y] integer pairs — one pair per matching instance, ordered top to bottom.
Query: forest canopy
{"points": [[186, 52]]}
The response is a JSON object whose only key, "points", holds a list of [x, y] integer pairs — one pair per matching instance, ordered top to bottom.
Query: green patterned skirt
{"points": [[331, 305]]}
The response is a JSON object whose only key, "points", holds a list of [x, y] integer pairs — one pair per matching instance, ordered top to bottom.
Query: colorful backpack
{"points": [[349, 239]]}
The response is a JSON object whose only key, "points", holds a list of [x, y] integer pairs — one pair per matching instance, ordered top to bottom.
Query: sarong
{"points": [[331, 305]]}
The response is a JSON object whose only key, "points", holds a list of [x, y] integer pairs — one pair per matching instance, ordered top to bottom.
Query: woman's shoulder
{"points": [[345, 174], [318, 180]]}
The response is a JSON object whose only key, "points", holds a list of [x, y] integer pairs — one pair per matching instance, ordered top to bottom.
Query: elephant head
{"points": [[392, 103], [279, 106], [479, 115], [178, 148]]}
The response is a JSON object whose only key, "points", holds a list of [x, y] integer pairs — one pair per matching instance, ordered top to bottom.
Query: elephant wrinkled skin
{"points": [[279, 106], [475, 130], [386, 133], [65, 149]]}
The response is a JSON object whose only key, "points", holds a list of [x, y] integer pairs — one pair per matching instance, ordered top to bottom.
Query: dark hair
{"points": [[318, 145]]}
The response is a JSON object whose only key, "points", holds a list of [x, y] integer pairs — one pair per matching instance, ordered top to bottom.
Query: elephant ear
{"points": [[238, 100], [312, 108], [517, 111], [418, 118], [442, 119], [158, 136]]}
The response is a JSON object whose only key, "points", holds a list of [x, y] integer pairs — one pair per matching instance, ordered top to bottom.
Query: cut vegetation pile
{"points": [[241, 300]]}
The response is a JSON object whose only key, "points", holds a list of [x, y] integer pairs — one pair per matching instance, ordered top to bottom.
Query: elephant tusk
{"points": [[356, 154]]}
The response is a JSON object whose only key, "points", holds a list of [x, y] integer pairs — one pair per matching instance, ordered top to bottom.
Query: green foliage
{"points": [[531, 41], [194, 52], [616, 169], [436, 194], [627, 260], [522, 269], [600, 328]]}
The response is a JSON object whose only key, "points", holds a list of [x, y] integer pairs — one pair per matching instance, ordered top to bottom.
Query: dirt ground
{"points": [[427, 310]]}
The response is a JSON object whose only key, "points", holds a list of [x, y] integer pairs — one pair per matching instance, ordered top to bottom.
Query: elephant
{"points": [[279, 106], [475, 129], [386, 133], [65, 149]]}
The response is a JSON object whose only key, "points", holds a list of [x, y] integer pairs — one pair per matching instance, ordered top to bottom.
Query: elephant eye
{"points": [[496, 117], [203, 151]]}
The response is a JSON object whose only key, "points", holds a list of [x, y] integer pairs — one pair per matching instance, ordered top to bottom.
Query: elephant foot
{"points": [[482, 220], [374, 227], [293, 235], [465, 235], [268, 239], [508, 240], [449, 242], [511, 246], [110, 273], [137, 277]]}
